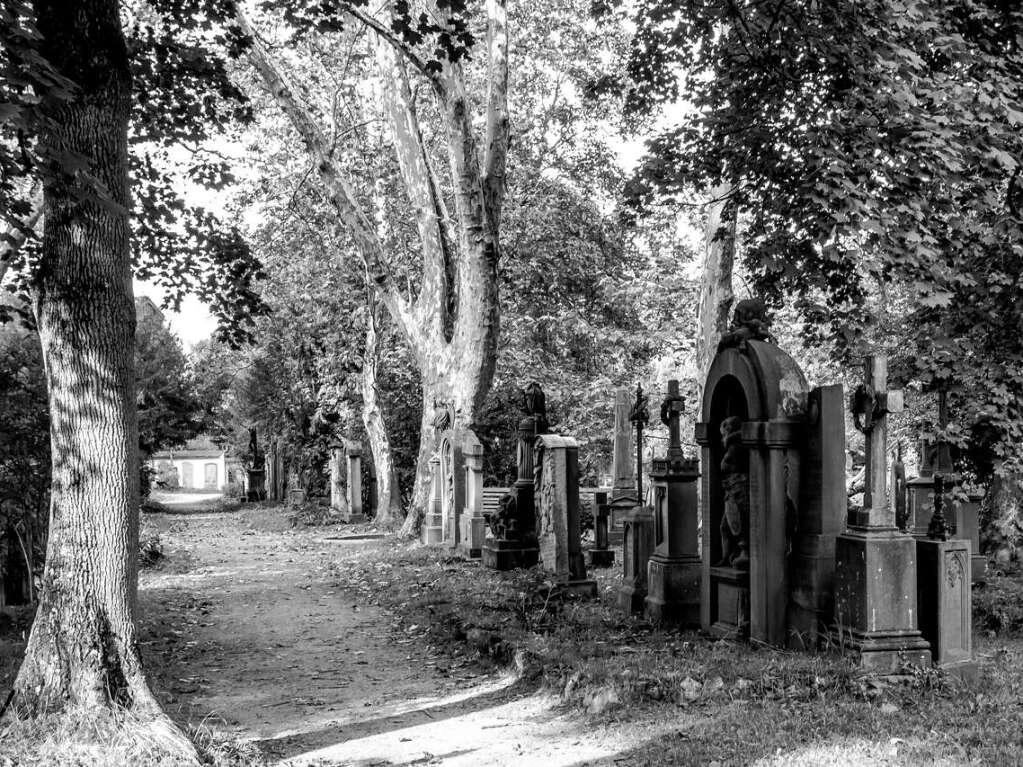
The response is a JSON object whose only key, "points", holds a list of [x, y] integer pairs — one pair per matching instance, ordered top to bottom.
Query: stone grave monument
{"points": [[935, 458], [256, 471], [452, 486], [353, 490], [556, 490], [772, 490], [624, 495], [338, 499], [514, 523], [473, 525], [638, 527], [967, 527], [432, 530], [601, 555], [875, 563], [675, 568], [944, 594]]}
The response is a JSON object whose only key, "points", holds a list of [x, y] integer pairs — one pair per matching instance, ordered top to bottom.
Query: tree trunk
{"points": [[716, 294], [388, 509], [1002, 519], [82, 652]]}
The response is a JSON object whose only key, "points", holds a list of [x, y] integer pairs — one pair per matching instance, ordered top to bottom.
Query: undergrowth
{"points": [[751, 702]]}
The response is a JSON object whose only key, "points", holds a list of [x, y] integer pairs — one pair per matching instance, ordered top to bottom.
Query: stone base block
{"points": [[354, 518], [433, 529], [473, 536], [507, 555], [602, 557], [583, 589], [673, 591], [631, 598], [876, 599], [945, 600], [728, 613]]}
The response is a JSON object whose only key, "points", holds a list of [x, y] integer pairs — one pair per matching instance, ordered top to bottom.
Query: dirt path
{"points": [[242, 629]]}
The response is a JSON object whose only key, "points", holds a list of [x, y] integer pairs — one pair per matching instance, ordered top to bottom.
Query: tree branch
{"points": [[337, 186]]}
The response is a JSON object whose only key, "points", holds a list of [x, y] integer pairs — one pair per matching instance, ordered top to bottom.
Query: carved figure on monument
{"points": [[749, 323], [534, 403], [443, 416], [735, 483], [504, 523]]}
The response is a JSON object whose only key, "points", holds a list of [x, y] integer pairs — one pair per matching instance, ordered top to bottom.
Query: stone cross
{"points": [[871, 404], [671, 410], [639, 416], [943, 459]]}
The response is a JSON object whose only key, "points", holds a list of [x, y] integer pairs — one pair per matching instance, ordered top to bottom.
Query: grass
{"points": [[735, 703]]}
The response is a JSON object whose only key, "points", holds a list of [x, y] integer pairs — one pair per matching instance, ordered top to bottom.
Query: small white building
{"points": [[200, 465]]}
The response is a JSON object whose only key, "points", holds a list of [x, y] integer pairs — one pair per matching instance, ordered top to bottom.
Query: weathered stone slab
{"points": [[354, 488], [473, 526], [432, 530], [638, 536], [601, 555], [945, 603]]}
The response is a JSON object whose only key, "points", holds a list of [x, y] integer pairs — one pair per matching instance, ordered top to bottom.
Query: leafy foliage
{"points": [[875, 151]]}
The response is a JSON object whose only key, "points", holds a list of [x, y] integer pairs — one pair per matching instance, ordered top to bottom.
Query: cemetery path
{"points": [[243, 630]]}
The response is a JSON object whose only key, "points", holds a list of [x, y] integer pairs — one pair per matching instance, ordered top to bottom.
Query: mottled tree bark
{"points": [[716, 295], [452, 323], [388, 510], [82, 652]]}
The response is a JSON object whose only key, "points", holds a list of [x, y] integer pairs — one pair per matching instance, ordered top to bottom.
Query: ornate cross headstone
{"points": [[871, 404], [638, 416], [875, 564], [674, 570]]}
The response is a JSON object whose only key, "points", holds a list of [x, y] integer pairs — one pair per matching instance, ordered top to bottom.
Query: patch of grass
{"points": [[998, 606], [736, 703]]}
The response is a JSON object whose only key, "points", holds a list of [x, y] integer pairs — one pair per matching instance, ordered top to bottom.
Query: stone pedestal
{"points": [[555, 459], [256, 485], [354, 489], [338, 499], [473, 526], [432, 530], [639, 544], [517, 547], [601, 555], [675, 569], [876, 599], [945, 603]]}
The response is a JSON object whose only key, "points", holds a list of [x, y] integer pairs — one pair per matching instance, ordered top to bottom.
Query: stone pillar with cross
{"points": [[935, 459], [876, 564], [675, 568]]}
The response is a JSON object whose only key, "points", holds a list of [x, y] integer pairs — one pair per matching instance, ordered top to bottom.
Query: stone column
{"points": [[354, 489], [624, 495], [433, 520], [473, 533], [876, 564], [675, 568]]}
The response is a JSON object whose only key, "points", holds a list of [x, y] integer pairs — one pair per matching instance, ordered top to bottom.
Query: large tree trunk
{"points": [[716, 294], [388, 509], [82, 653]]}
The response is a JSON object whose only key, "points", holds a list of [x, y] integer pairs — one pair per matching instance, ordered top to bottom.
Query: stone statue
{"points": [[749, 323], [534, 403], [443, 416], [735, 483], [504, 523]]}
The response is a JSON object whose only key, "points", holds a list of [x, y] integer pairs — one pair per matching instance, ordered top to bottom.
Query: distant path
{"points": [[242, 628]]}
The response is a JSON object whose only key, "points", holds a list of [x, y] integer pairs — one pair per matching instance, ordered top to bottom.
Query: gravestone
{"points": [[353, 451], [935, 458], [255, 473], [452, 485], [556, 490], [772, 490], [624, 495], [338, 501], [514, 523], [432, 530], [473, 532], [637, 546], [601, 555], [875, 563], [675, 568], [944, 597]]}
